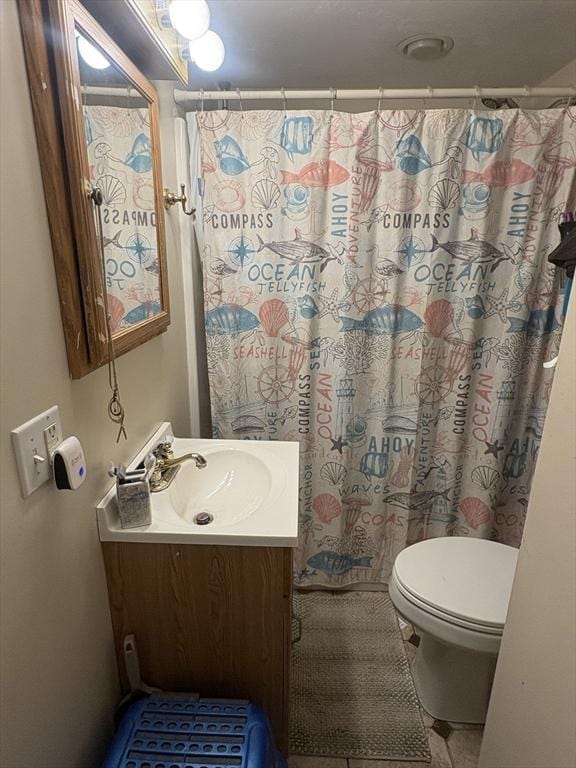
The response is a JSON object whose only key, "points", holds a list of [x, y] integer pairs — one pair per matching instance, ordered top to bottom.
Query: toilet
{"points": [[455, 592]]}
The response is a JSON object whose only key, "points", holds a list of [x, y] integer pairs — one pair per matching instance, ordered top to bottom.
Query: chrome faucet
{"points": [[199, 460], [167, 465]]}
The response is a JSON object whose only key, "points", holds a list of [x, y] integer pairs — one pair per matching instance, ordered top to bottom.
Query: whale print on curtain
{"points": [[376, 288]]}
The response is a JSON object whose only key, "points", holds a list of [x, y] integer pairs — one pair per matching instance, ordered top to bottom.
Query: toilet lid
{"points": [[464, 578]]}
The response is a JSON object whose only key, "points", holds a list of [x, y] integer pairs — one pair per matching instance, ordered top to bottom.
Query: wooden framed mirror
{"points": [[105, 124]]}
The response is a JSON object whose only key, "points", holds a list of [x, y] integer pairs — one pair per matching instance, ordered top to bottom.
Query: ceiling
{"points": [[352, 43]]}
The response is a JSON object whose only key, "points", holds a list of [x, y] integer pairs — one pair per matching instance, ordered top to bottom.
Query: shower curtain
{"points": [[376, 288]]}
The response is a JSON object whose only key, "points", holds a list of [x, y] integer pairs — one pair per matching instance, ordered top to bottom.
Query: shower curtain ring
{"points": [[333, 94], [428, 96], [477, 96], [240, 99], [202, 100], [284, 102], [379, 105]]}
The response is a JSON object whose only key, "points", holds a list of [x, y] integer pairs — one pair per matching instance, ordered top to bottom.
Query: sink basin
{"points": [[232, 486], [247, 493]]}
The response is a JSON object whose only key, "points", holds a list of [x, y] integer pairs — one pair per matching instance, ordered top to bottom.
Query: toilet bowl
{"points": [[455, 591]]}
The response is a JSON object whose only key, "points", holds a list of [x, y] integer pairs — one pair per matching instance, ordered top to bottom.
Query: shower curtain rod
{"points": [[374, 94]]}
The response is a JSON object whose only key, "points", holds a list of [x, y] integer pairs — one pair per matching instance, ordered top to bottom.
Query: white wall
{"points": [[59, 679]]}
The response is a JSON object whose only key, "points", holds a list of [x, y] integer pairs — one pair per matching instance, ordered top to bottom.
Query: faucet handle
{"points": [[164, 449]]}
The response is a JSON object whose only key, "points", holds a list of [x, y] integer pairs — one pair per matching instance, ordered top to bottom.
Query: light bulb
{"points": [[190, 18], [208, 51], [91, 55]]}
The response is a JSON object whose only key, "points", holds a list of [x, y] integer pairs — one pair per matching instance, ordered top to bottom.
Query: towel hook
{"points": [[171, 198]]}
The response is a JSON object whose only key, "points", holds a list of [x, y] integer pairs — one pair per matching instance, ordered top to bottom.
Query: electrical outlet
{"points": [[52, 437], [33, 444]]}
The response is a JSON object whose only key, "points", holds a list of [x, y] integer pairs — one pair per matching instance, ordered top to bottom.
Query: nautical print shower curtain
{"points": [[120, 162], [376, 288]]}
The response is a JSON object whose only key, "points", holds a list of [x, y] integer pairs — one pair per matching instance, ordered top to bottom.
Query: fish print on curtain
{"points": [[120, 160], [376, 287]]}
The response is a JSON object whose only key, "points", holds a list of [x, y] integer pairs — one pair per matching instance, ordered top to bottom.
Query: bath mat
{"points": [[352, 691]]}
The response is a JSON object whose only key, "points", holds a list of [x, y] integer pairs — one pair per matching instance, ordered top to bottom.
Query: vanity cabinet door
{"points": [[208, 619]]}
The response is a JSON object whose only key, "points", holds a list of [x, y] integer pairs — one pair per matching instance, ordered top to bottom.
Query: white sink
{"points": [[233, 485], [249, 490]]}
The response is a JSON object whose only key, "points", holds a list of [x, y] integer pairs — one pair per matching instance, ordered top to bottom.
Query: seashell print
{"points": [[113, 121], [258, 124], [140, 156], [412, 156], [231, 158], [113, 191], [265, 194], [444, 195], [308, 307], [116, 311], [273, 315], [439, 315], [333, 472], [485, 477], [327, 507], [475, 512]]}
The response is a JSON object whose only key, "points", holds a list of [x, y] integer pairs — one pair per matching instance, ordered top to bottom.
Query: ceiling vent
{"points": [[426, 47]]}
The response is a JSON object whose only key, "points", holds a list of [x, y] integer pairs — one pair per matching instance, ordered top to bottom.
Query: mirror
{"points": [[109, 140], [119, 148]]}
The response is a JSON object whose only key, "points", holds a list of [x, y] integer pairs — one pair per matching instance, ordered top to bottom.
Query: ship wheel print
{"points": [[213, 292], [369, 294], [275, 384], [433, 385]]}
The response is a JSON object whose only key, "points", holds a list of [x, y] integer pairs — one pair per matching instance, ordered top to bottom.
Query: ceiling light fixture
{"points": [[190, 18], [426, 47], [208, 51], [90, 54]]}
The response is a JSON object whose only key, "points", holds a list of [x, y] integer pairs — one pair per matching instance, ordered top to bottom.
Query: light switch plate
{"points": [[30, 442]]}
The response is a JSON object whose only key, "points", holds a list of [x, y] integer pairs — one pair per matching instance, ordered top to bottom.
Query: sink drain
{"points": [[203, 518]]}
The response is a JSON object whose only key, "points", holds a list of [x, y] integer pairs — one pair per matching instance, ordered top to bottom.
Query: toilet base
{"points": [[453, 683]]}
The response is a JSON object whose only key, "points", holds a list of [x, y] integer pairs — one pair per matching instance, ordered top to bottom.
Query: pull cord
{"points": [[116, 411]]}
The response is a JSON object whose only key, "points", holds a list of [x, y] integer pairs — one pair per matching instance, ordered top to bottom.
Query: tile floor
{"points": [[460, 750]]}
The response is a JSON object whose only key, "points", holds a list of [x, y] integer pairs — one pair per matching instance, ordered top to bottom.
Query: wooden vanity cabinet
{"points": [[215, 620]]}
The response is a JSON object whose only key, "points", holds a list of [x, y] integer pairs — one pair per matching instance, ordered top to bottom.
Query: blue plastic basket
{"points": [[171, 730]]}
